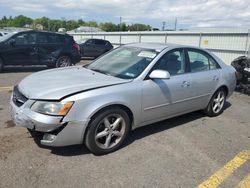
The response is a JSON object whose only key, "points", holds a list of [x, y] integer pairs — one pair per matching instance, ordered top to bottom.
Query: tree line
{"points": [[54, 24]]}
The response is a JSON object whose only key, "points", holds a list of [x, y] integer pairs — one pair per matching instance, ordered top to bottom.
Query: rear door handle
{"points": [[185, 84]]}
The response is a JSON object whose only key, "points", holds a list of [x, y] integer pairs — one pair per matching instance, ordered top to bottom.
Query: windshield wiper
{"points": [[85, 66], [100, 71]]}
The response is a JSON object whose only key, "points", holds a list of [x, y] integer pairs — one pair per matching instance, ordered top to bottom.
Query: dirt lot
{"points": [[188, 151]]}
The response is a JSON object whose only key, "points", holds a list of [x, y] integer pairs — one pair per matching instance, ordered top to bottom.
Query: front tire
{"points": [[63, 61], [216, 104], [107, 131]]}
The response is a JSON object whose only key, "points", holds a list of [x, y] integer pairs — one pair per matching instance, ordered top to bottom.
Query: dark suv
{"points": [[94, 47], [38, 48]]}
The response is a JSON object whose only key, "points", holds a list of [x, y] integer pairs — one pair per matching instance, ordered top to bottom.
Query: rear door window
{"points": [[54, 39], [100, 42], [200, 61]]}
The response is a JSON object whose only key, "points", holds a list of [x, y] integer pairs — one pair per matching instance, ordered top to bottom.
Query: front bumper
{"points": [[55, 131]]}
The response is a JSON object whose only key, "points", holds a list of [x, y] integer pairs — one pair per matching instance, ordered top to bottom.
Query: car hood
{"points": [[55, 84]]}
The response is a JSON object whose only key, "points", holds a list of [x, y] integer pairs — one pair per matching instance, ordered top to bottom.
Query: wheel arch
{"points": [[65, 54], [224, 87], [103, 108]]}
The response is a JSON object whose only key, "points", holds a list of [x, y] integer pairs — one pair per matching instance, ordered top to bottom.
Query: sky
{"points": [[189, 13]]}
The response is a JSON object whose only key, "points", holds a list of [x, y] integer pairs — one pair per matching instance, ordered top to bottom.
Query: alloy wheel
{"points": [[64, 61], [218, 102], [110, 131]]}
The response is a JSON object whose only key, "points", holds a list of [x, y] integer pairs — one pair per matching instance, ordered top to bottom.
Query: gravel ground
{"points": [[180, 152]]}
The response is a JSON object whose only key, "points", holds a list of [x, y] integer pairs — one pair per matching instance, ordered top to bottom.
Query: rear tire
{"points": [[63, 61], [216, 105], [107, 131]]}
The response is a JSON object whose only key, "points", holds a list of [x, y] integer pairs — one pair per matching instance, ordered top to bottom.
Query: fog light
{"points": [[49, 137]]}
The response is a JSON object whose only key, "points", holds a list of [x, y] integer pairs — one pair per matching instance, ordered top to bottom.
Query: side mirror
{"points": [[12, 42], [159, 74]]}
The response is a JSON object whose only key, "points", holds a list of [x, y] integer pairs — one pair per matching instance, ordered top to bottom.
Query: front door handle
{"points": [[35, 49], [216, 78], [185, 84]]}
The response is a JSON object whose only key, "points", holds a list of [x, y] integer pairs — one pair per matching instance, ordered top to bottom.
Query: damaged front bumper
{"points": [[55, 131]]}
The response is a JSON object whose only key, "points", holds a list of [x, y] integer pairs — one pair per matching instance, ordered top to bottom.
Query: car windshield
{"points": [[7, 36], [81, 41], [124, 62]]}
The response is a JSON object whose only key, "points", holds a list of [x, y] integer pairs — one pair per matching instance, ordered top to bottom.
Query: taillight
{"points": [[76, 46]]}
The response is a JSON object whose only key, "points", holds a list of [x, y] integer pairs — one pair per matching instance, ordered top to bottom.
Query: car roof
{"points": [[41, 31], [96, 39], [158, 46]]}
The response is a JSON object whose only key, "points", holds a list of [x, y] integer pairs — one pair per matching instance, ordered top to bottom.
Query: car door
{"points": [[47, 44], [100, 47], [89, 48], [21, 49], [205, 75], [163, 98]]}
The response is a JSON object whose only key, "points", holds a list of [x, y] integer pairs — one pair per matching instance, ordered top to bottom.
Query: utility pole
{"points": [[175, 24], [163, 25], [120, 26]]}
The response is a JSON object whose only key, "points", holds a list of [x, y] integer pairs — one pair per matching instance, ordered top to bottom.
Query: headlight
{"points": [[52, 108]]}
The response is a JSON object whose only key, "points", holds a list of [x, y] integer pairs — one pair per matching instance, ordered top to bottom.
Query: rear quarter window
{"points": [[54, 38], [66, 39]]}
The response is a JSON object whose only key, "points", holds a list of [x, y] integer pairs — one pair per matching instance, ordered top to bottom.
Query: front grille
{"points": [[18, 98]]}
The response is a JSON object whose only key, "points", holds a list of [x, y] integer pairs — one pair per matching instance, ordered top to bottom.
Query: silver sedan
{"points": [[132, 86]]}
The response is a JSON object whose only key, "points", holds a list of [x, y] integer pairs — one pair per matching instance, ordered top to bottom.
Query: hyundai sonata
{"points": [[132, 86]]}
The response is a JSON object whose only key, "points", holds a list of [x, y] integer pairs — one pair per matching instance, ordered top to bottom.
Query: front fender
{"points": [[89, 103]]}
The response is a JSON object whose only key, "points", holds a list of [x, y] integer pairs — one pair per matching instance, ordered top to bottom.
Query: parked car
{"points": [[94, 47], [38, 48], [242, 66], [129, 87]]}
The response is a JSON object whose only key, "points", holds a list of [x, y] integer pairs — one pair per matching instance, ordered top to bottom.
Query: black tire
{"points": [[63, 61], [1, 65], [211, 110], [97, 145]]}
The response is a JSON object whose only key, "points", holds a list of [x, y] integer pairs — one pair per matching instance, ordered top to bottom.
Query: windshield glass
{"points": [[7, 36], [81, 41], [124, 62]]}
